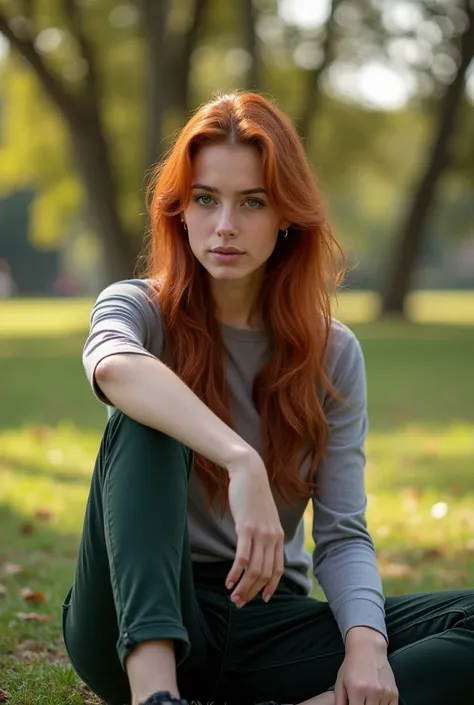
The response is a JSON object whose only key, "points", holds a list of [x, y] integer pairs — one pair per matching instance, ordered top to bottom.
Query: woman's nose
{"points": [[226, 225]]}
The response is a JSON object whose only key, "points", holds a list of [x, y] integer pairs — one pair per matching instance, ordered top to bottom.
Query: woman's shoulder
{"points": [[135, 289], [135, 300], [341, 336], [343, 350]]}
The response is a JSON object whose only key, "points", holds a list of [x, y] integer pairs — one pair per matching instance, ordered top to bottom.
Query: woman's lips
{"points": [[226, 256]]}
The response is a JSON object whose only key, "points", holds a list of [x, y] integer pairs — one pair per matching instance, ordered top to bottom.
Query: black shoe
{"points": [[164, 697]]}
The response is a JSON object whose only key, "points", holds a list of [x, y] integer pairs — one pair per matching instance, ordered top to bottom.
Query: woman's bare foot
{"points": [[323, 699]]}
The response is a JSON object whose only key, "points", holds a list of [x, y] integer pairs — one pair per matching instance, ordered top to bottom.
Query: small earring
{"points": [[184, 224], [286, 233]]}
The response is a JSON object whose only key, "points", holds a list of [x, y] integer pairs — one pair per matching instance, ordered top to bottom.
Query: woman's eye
{"points": [[204, 200], [254, 202]]}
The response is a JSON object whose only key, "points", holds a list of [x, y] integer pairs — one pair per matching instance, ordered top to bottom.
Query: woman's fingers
{"points": [[259, 533], [242, 559], [261, 560], [278, 567], [251, 580]]}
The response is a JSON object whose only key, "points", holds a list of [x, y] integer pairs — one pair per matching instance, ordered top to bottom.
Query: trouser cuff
{"points": [[154, 632]]}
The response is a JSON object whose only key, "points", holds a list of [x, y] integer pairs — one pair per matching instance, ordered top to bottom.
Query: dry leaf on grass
{"points": [[40, 433], [43, 514], [26, 529], [12, 569], [397, 570], [30, 595], [33, 617], [31, 651], [4, 696], [88, 697]]}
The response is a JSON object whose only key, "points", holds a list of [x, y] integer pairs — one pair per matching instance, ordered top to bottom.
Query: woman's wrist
{"points": [[243, 458], [358, 637]]}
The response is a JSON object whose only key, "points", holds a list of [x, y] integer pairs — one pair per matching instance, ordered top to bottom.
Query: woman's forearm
{"points": [[149, 392]]}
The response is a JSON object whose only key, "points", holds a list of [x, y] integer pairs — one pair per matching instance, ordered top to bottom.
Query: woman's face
{"points": [[232, 227]]}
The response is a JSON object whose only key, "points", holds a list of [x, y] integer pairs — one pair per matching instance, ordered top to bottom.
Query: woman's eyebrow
{"points": [[212, 189]]}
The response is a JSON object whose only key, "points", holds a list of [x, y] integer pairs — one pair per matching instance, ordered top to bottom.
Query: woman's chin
{"points": [[227, 273]]}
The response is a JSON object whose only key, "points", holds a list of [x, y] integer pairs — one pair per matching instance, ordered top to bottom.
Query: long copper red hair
{"points": [[301, 274]]}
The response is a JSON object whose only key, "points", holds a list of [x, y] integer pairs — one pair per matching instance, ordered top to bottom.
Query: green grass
{"points": [[420, 453]]}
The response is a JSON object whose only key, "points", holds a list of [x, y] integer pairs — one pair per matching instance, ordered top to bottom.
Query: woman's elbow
{"points": [[108, 371]]}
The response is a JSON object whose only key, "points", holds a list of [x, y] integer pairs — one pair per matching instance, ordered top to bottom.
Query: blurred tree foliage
{"points": [[93, 91]]}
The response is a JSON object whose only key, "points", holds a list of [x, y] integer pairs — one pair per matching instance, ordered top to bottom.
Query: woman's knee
{"points": [[138, 445]]}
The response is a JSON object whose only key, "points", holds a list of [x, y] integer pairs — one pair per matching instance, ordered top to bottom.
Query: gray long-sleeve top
{"points": [[126, 320]]}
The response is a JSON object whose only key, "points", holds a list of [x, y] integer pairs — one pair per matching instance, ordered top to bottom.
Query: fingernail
{"points": [[229, 585], [235, 598], [266, 598]]}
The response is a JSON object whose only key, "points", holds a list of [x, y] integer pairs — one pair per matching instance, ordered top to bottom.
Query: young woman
{"points": [[236, 398]]}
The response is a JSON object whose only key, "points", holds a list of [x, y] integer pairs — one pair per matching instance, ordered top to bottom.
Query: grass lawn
{"points": [[419, 473]]}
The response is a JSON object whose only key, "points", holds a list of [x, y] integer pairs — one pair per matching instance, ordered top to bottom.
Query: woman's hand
{"points": [[259, 555], [365, 677]]}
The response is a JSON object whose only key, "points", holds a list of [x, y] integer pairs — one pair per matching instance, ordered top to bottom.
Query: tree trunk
{"points": [[154, 19], [169, 65], [252, 79], [312, 92], [82, 115], [93, 162], [409, 243]]}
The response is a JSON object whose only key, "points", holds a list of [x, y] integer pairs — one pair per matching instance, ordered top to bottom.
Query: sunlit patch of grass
{"points": [[441, 307], [30, 318]]}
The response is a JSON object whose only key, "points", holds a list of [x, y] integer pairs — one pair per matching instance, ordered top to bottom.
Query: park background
{"points": [[91, 94]]}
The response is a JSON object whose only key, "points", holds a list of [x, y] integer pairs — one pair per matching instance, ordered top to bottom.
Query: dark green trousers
{"points": [[135, 581]]}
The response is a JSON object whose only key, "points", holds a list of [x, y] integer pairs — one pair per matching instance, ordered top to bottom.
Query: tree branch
{"points": [[75, 26], [51, 83]]}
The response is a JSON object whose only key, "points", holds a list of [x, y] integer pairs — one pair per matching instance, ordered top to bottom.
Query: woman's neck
{"points": [[235, 303]]}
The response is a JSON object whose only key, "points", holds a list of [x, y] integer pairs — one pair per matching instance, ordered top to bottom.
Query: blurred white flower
{"points": [[439, 510]]}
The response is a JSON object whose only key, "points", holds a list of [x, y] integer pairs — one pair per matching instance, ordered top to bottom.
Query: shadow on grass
{"points": [[418, 374], [44, 382], [448, 475]]}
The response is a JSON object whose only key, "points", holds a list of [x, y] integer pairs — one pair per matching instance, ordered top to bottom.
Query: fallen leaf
{"points": [[40, 433], [43, 514], [26, 529], [429, 553], [12, 569], [397, 570], [3, 591], [30, 595], [33, 617], [32, 650], [4, 696]]}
